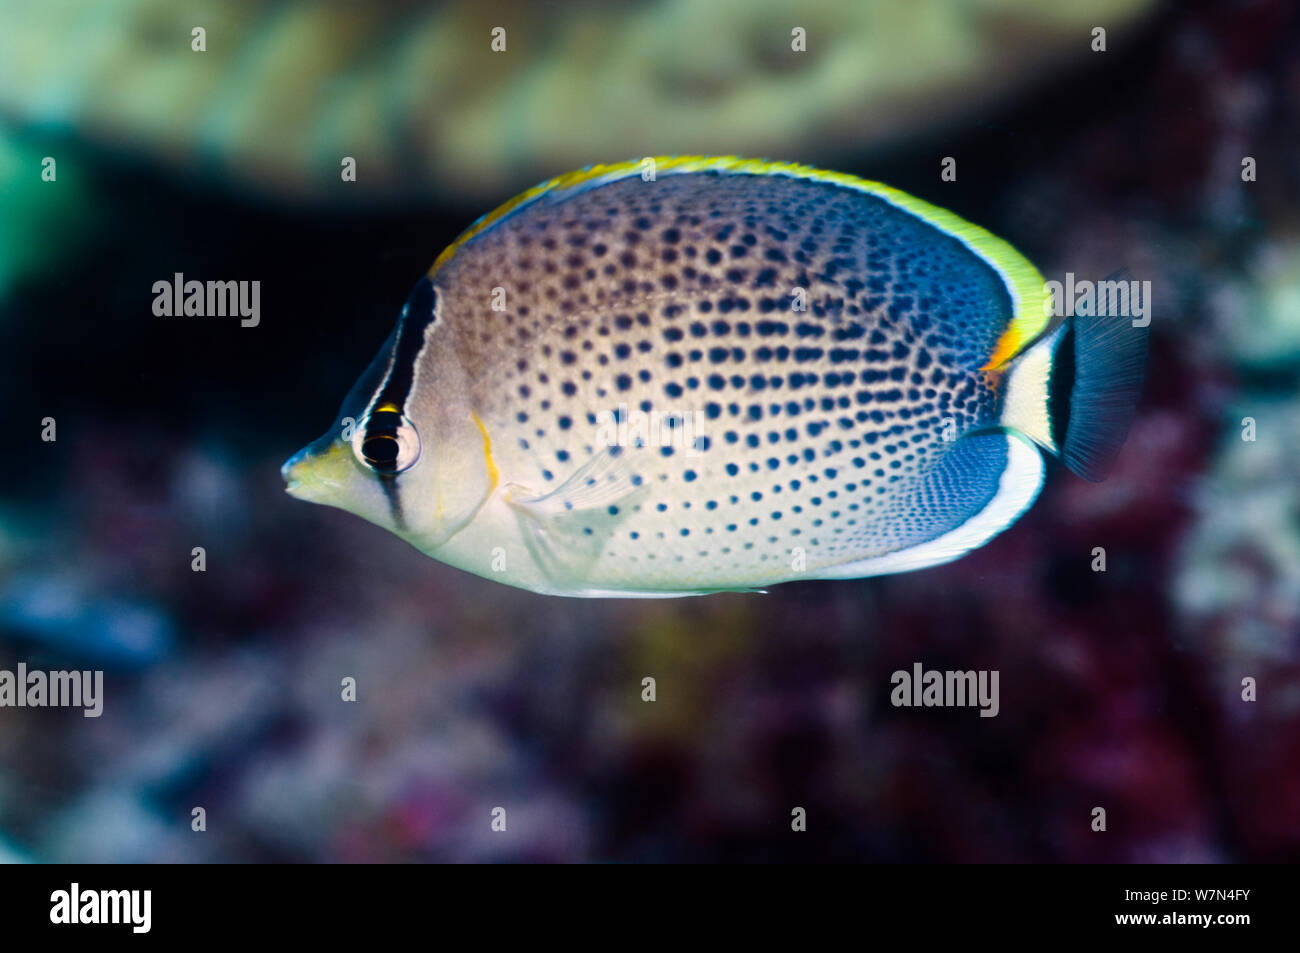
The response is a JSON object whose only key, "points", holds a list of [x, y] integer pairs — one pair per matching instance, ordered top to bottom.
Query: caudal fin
{"points": [[1109, 362]]}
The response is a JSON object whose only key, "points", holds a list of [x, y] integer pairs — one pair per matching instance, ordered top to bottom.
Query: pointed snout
{"points": [[292, 471], [319, 471]]}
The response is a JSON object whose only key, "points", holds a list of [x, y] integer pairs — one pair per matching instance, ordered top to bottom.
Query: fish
{"points": [[693, 374]]}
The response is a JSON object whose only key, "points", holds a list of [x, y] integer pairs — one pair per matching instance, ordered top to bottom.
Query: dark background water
{"points": [[1119, 689]]}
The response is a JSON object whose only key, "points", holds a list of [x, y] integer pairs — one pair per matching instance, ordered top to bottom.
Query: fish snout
{"points": [[318, 470], [287, 471]]}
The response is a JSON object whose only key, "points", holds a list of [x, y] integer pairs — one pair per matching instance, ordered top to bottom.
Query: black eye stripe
{"points": [[420, 312], [382, 424], [381, 445]]}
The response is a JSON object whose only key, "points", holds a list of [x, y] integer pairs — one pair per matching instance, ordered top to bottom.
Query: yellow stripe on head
{"points": [[493, 473]]}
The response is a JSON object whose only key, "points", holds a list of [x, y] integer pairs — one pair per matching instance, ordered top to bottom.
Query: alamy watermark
{"points": [[1114, 298], [208, 299], [682, 430], [932, 688], [59, 689], [129, 907]]}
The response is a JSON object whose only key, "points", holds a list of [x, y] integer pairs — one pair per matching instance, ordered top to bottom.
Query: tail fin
{"points": [[1109, 355]]}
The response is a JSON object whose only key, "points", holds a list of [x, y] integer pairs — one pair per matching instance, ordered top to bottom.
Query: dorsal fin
{"points": [[1023, 282]]}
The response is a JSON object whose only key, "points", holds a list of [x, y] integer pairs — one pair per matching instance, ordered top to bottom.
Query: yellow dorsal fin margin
{"points": [[1023, 281]]}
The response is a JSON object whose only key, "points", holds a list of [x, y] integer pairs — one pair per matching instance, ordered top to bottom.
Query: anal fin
{"points": [[978, 503]]}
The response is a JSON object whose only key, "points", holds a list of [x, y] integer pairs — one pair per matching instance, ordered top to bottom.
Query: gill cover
{"points": [[405, 451]]}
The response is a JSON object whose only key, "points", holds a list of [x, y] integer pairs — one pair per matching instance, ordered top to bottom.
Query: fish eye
{"points": [[387, 442]]}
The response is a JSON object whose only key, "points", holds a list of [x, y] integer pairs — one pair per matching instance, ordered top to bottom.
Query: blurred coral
{"points": [[416, 94], [1120, 689]]}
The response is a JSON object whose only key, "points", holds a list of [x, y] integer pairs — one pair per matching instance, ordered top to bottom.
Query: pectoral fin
{"points": [[567, 528]]}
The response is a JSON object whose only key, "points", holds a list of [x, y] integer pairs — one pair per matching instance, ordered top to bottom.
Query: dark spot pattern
{"points": [[823, 428]]}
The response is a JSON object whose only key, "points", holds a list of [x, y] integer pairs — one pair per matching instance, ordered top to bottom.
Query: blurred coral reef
{"points": [[415, 93], [1120, 689]]}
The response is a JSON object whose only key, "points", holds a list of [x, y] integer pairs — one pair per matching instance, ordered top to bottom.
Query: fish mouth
{"points": [[290, 467], [318, 470]]}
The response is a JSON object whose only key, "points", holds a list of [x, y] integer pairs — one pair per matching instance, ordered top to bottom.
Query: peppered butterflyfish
{"points": [[693, 374]]}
